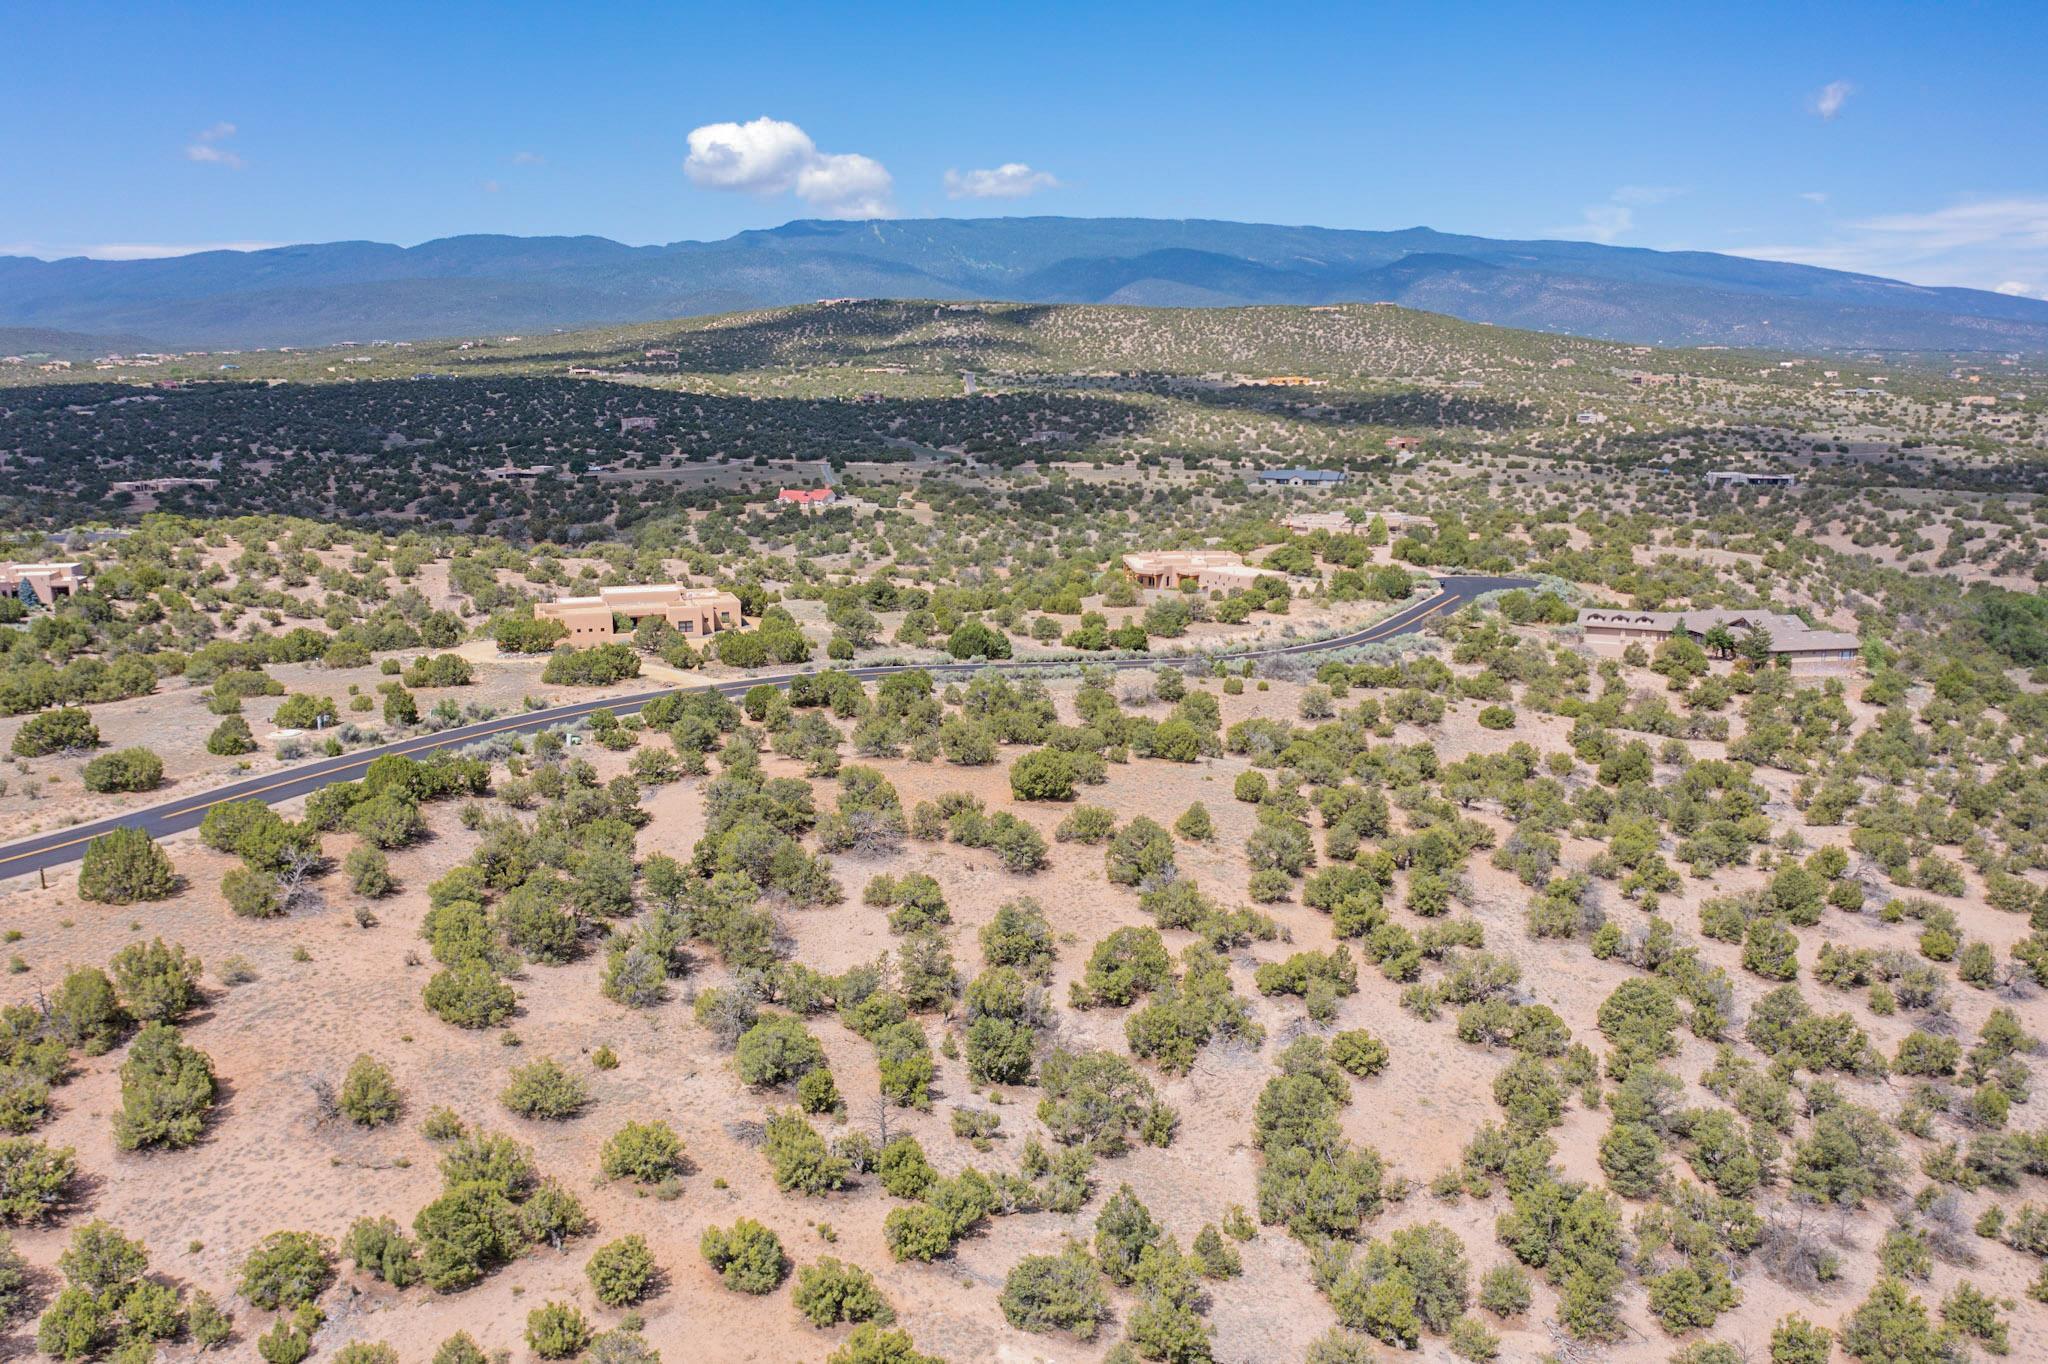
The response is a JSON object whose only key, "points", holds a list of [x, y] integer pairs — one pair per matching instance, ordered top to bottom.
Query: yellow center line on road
{"points": [[1400, 620]]}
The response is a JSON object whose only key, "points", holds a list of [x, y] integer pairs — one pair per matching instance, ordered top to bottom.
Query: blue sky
{"points": [[1909, 140]]}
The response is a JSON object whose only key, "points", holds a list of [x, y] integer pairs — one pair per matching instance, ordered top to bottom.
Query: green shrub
{"points": [[67, 729], [230, 738], [125, 769], [1043, 774], [1086, 824], [123, 866], [368, 872], [252, 893], [158, 984], [470, 995], [85, 1012], [775, 1051], [1360, 1053], [167, 1089], [545, 1090], [369, 1094], [1097, 1099], [644, 1152], [798, 1156], [904, 1169], [35, 1180], [1124, 1230], [380, 1248], [746, 1255], [286, 1269], [621, 1272], [832, 1291], [1504, 1291], [1056, 1293], [1891, 1326], [556, 1330], [1798, 1341], [873, 1344], [461, 1348], [359, 1352]]}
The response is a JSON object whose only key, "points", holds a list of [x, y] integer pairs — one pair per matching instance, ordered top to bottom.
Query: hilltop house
{"points": [[1300, 478], [1739, 478], [806, 498], [1212, 570], [42, 584], [692, 611], [1792, 641]]}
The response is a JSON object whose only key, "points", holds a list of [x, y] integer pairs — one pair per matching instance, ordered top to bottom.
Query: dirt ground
{"points": [[325, 990]]}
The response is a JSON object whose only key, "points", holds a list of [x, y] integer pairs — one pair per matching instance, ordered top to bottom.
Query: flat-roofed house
{"points": [[1302, 478], [1743, 478], [1212, 570], [42, 584], [690, 611], [1793, 642]]}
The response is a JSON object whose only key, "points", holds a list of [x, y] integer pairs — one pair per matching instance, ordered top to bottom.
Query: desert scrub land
{"points": [[1478, 994], [1201, 1016]]}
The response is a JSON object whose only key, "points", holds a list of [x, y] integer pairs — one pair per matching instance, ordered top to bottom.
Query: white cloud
{"points": [[1829, 99], [205, 146], [769, 156], [528, 159], [1011, 180], [1647, 194], [1815, 196], [1616, 218], [1602, 223], [1976, 243], [126, 250], [2013, 287]]}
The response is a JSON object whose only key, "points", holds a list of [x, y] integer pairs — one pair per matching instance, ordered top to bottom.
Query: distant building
{"points": [[1591, 418], [635, 424], [1404, 442], [1302, 478], [1742, 478], [159, 485], [806, 498], [1212, 570], [42, 584], [692, 611], [1793, 641]]}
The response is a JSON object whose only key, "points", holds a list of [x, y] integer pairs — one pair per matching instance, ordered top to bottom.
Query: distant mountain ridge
{"points": [[308, 295]]}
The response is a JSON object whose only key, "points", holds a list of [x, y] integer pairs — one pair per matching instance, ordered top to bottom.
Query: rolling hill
{"points": [[458, 285]]}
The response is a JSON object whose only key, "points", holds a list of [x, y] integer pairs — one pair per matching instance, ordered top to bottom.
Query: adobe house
{"points": [[1212, 570], [42, 584], [689, 611], [1793, 642]]}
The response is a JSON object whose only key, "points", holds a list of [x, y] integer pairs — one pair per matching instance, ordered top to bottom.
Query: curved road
{"points": [[176, 816]]}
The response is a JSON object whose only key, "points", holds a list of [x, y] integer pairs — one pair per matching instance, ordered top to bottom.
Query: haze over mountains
{"points": [[306, 295]]}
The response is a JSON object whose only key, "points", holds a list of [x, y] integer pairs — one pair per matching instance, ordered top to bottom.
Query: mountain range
{"points": [[455, 286]]}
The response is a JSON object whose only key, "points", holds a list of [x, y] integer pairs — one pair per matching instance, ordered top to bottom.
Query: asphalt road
{"points": [[176, 816]]}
